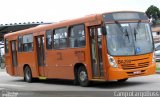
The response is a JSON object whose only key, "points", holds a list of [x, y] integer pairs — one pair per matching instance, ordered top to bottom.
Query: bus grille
{"points": [[135, 66]]}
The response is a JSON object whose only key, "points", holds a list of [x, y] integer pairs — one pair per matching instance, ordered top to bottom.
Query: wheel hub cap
{"points": [[27, 74], [83, 76]]}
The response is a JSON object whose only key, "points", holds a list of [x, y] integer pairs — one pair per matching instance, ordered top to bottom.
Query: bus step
{"points": [[42, 78], [102, 80]]}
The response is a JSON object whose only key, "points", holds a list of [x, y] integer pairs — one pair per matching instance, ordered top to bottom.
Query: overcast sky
{"points": [[15, 11], [19, 11]]}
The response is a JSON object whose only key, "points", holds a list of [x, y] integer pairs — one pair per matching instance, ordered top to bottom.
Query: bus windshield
{"points": [[129, 38]]}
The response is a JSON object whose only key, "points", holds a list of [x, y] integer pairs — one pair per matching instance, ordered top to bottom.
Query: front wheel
{"points": [[28, 74], [83, 76]]}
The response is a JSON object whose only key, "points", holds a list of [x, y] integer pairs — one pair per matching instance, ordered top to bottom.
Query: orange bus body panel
{"points": [[60, 63]]}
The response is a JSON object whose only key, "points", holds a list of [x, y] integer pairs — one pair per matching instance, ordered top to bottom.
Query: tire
{"points": [[28, 74], [83, 76], [123, 80], [76, 82]]}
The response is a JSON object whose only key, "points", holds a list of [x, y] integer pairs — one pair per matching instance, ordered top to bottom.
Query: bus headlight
{"points": [[153, 58], [112, 62]]}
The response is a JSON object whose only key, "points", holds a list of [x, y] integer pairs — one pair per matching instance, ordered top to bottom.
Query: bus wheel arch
{"points": [[80, 69], [27, 73]]}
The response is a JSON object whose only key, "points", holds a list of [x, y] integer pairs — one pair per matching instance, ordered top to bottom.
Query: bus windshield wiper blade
{"points": [[121, 29], [135, 29], [135, 33], [126, 34]]}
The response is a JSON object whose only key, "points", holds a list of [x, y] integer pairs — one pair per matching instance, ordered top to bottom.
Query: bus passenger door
{"points": [[96, 52], [40, 55], [14, 57]]}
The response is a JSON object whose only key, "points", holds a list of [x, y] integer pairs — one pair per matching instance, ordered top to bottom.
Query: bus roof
{"points": [[121, 11], [64, 23], [54, 25]]}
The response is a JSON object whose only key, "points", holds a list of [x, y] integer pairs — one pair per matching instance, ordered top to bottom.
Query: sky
{"points": [[20, 11]]}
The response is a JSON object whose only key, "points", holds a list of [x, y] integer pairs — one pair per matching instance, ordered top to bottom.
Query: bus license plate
{"points": [[137, 72]]}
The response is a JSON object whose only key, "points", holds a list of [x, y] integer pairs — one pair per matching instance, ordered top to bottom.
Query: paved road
{"points": [[146, 83]]}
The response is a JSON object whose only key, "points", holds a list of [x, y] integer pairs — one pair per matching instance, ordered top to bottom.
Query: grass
{"points": [[157, 68]]}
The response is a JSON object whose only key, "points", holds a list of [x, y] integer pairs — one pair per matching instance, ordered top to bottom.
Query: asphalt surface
{"points": [[65, 88]]}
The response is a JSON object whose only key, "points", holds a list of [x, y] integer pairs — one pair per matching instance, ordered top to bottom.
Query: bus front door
{"points": [[96, 52], [40, 55], [14, 57]]}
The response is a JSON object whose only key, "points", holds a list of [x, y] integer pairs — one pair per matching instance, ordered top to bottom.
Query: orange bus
{"points": [[100, 47]]}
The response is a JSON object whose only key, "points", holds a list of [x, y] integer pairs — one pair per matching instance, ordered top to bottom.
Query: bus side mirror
{"points": [[104, 31]]}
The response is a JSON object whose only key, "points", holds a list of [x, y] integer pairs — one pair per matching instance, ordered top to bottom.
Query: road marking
{"points": [[10, 85]]}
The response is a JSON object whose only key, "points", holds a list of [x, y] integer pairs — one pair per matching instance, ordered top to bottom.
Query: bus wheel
{"points": [[27, 74], [82, 76], [123, 80]]}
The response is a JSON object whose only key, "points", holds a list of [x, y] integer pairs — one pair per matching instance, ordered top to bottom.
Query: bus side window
{"points": [[77, 36], [49, 37], [60, 38], [63, 38], [56, 40], [28, 42], [20, 43], [6, 45]]}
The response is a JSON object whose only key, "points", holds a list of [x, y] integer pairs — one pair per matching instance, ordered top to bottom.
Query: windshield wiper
{"points": [[121, 29], [135, 31], [126, 34]]}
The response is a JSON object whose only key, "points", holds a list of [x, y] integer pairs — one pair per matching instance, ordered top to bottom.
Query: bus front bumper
{"points": [[117, 73]]}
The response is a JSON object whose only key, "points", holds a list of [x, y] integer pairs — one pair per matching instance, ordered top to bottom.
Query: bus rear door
{"points": [[40, 55], [14, 57]]}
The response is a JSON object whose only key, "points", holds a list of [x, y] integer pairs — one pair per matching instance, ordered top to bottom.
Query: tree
{"points": [[153, 13]]}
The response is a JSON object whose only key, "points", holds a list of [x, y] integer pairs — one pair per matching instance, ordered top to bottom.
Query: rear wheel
{"points": [[28, 74], [83, 76], [123, 80]]}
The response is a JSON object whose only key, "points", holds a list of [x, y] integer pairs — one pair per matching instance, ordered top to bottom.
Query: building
{"points": [[7, 28], [156, 33]]}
